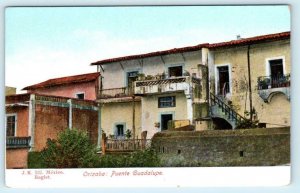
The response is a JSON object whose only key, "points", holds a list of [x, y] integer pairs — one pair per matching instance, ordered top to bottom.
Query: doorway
{"points": [[276, 68], [223, 84], [164, 118]]}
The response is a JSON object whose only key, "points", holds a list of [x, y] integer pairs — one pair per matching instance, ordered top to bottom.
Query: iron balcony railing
{"points": [[268, 82], [116, 92], [18, 142]]}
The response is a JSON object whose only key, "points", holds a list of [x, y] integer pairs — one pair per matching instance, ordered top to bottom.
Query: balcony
{"points": [[183, 83], [268, 86], [115, 93], [17, 142]]}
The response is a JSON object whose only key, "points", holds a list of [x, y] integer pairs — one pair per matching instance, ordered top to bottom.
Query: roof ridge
{"points": [[195, 47], [64, 80]]}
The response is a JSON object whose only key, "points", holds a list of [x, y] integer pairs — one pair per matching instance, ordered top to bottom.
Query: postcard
{"points": [[163, 96]]}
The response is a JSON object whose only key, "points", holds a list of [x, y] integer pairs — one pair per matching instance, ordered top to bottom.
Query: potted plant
{"points": [[141, 76]]}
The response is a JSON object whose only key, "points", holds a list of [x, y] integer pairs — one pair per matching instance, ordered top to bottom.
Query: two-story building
{"points": [[209, 86], [47, 109]]}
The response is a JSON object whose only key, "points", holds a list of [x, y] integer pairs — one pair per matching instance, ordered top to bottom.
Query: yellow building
{"points": [[208, 86]]}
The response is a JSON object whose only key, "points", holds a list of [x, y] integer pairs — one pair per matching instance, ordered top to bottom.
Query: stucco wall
{"points": [[115, 77], [70, 90], [278, 110], [113, 113], [151, 113], [22, 120], [50, 120], [251, 147], [16, 158]]}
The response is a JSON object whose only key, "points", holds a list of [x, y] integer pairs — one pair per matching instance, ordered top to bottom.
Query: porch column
{"points": [[189, 108], [70, 113], [31, 121], [99, 141]]}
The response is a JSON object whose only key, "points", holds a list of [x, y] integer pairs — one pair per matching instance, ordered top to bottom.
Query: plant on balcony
{"points": [[186, 73], [141, 76], [149, 77], [264, 84], [128, 134]]}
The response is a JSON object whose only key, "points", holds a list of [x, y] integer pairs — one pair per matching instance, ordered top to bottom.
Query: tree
{"points": [[72, 149]]}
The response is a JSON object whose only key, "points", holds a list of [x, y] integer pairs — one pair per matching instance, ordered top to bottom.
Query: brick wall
{"points": [[252, 147]]}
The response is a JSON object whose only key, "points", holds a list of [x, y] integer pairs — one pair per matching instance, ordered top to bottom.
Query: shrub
{"points": [[72, 149], [142, 158], [35, 160]]}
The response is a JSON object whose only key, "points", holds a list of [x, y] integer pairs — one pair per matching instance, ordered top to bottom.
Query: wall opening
{"points": [[175, 71], [223, 80], [165, 118], [241, 153]]}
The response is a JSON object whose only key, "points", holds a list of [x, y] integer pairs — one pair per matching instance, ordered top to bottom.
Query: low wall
{"points": [[251, 147], [16, 158]]}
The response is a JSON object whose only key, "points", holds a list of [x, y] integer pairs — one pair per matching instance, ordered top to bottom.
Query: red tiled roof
{"points": [[252, 40], [244, 41], [151, 54], [64, 80]]}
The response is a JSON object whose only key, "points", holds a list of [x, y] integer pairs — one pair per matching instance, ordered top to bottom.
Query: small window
{"points": [[175, 71], [131, 77], [80, 95], [168, 101], [11, 125], [119, 130]]}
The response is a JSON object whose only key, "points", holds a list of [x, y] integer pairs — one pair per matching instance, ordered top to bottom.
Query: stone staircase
{"points": [[220, 109]]}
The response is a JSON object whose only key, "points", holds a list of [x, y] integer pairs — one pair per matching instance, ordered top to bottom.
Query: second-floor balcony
{"points": [[174, 84], [267, 86], [116, 92], [17, 142]]}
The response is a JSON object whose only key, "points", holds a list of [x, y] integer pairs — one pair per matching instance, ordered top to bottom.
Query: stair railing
{"points": [[232, 114]]}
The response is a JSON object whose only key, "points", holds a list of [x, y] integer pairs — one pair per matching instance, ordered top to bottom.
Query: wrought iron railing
{"points": [[268, 82], [116, 92], [228, 111], [17, 142], [126, 144]]}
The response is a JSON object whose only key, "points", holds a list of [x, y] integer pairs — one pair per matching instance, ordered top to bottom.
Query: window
{"points": [[175, 71], [131, 77], [80, 95], [169, 101], [11, 125], [120, 130]]}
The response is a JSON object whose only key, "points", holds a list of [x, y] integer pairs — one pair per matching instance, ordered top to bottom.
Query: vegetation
{"points": [[72, 149], [142, 158], [35, 160]]}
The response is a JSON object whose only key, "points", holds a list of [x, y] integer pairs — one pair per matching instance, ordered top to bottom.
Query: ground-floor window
{"points": [[11, 125], [120, 130]]}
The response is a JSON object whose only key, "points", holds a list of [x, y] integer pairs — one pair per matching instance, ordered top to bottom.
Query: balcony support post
{"points": [[31, 121]]}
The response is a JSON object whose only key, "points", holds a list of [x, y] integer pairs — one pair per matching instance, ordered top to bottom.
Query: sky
{"points": [[43, 43]]}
